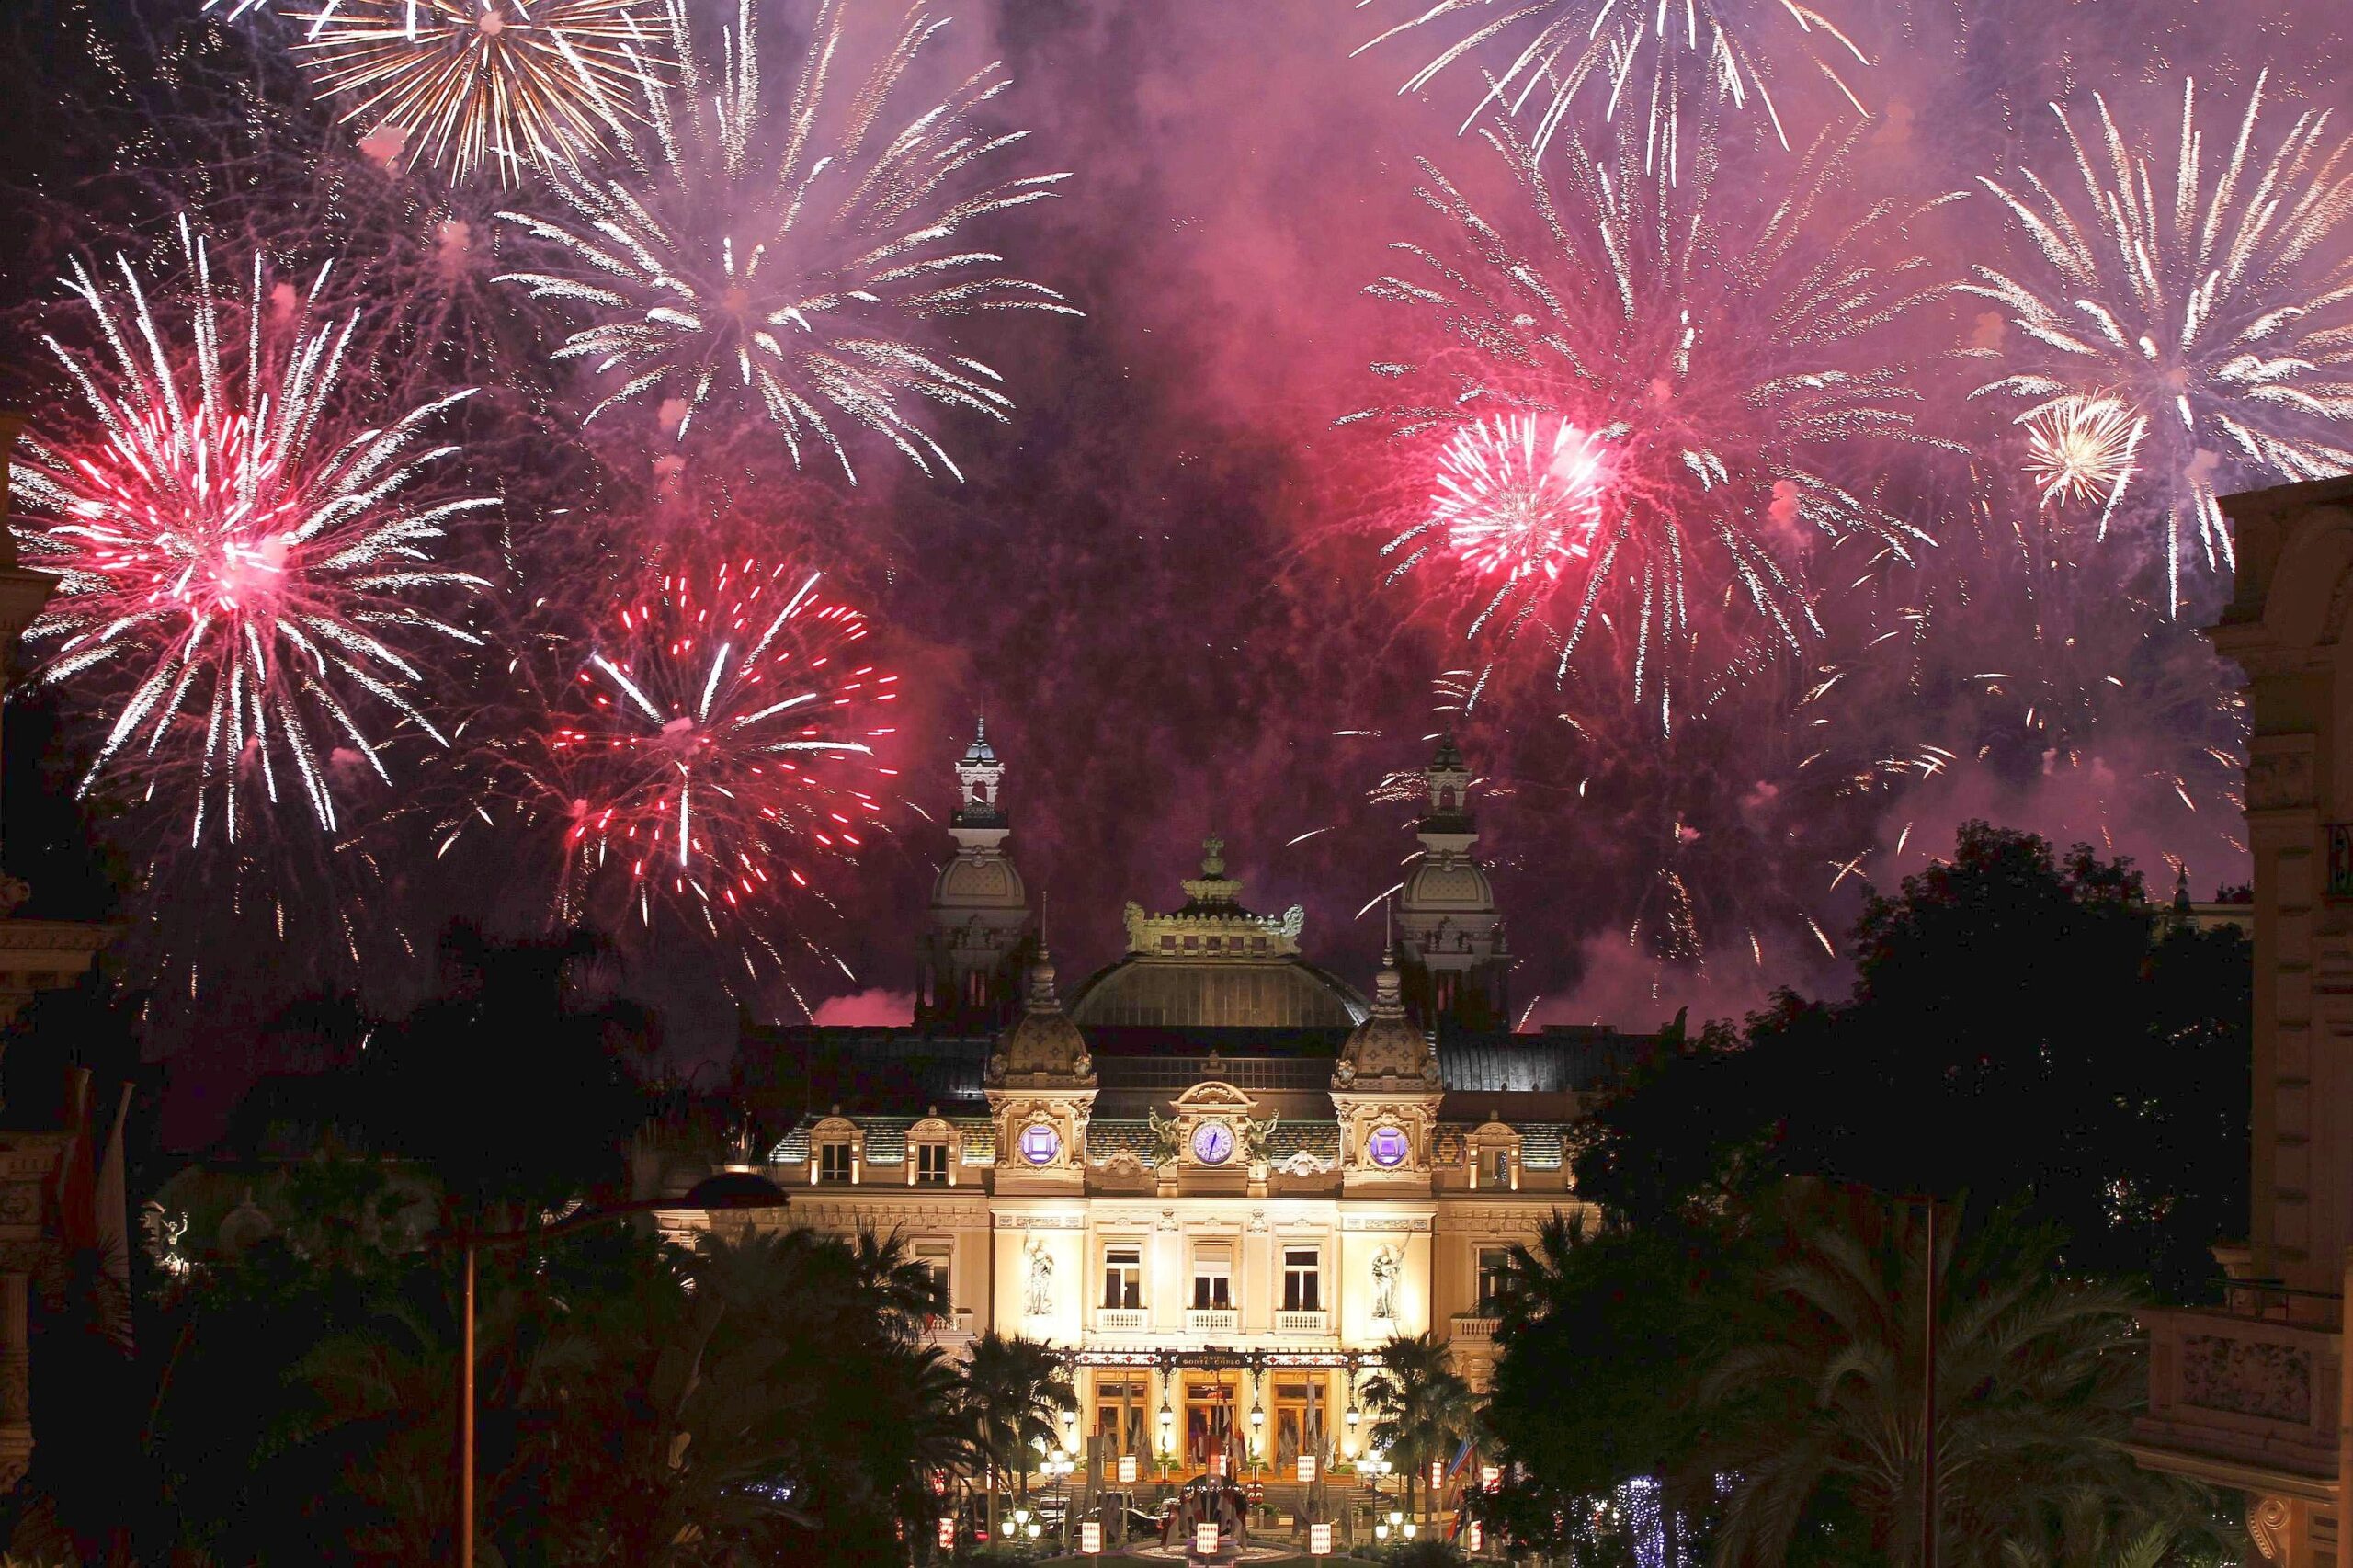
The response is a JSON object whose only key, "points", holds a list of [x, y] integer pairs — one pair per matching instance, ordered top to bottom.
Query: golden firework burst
{"points": [[463, 82], [2080, 448]]}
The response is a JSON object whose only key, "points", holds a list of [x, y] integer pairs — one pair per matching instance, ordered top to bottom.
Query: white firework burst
{"points": [[1648, 61], [795, 262], [2210, 304]]}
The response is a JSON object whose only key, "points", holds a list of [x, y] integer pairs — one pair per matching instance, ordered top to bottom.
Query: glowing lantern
{"points": [[1128, 1467], [1306, 1469], [1491, 1477], [947, 1532], [1473, 1537], [1090, 1538], [1319, 1540], [1205, 1541]]}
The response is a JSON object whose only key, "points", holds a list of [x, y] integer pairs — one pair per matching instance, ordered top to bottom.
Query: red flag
{"points": [[77, 1178]]}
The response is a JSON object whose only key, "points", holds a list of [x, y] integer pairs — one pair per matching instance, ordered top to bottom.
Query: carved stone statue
{"points": [[1167, 1138], [1387, 1265], [1039, 1302]]}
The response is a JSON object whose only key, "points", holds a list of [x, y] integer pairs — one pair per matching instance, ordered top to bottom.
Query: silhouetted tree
{"points": [[2009, 988]]}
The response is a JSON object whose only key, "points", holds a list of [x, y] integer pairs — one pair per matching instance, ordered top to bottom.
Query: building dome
{"points": [[971, 882], [1447, 884], [1213, 965], [1239, 992], [1042, 1042], [1388, 1044]]}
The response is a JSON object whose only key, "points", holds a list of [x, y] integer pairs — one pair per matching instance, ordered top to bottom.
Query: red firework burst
{"points": [[1514, 503], [701, 757]]}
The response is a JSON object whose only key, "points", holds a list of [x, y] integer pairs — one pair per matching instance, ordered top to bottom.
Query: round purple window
{"points": [[1040, 1144], [1386, 1147]]}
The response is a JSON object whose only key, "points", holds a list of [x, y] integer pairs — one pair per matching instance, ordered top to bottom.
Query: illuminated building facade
{"points": [[1217, 1174], [2252, 1396]]}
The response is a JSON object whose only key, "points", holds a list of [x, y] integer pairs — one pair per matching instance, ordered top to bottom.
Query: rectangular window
{"points": [[1167, 944], [1502, 1158], [833, 1162], [931, 1163], [935, 1256], [1123, 1277], [1494, 1277], [1212, 1278], [1302, 1281]]}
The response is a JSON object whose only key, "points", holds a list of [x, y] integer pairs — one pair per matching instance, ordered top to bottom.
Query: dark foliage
{"points": [[2009, 989]]}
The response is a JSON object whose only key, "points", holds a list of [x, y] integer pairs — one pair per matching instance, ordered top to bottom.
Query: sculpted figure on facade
{"points": [[1387, 1265], [1040, 1301]]}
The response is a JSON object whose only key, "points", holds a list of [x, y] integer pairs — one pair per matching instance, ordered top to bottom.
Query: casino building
{"points": [[1214, 1173]]}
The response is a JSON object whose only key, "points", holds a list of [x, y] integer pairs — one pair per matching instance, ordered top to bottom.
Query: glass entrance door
{"points": [[1298, 1417], [1211, 1421]]}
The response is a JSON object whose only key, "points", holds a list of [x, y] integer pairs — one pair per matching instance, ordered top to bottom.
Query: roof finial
{"points": [[979, 729], [1043, 895]]}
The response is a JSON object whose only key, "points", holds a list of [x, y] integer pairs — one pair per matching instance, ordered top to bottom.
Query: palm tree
{"points": [[911, 1296], [1014, 1389], [1421, 1409], [1818, 1419]]}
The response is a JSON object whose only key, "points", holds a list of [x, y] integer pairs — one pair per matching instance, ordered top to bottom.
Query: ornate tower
{"points": [[979, 936], [1456, 960], [1041, 1085], [1386, 1088]]}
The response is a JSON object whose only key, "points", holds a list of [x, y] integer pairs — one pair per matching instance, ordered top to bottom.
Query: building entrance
{"points": [[1122, 1405], [1296, 1409], [1213, 1417]]}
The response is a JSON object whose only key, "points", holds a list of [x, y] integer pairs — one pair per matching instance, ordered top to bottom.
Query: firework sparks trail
{"points": [[1652, 61], [459, 83], [748, 262], [2211, 306], [1711, 389], [243, 575], [694, 761]]}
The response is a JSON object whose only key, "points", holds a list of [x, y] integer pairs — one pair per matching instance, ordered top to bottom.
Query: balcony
{"points": [[1122, 1320], [1212, 1320], [1301, 1323], [1474, 1328], [953, 1329], [2251, 1389]]}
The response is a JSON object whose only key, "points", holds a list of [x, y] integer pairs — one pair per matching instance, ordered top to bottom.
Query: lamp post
{"points": [[731, 1192], [1928, 1400]]}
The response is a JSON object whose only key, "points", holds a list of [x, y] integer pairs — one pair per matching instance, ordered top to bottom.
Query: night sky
{"points": [[1160, 580]]}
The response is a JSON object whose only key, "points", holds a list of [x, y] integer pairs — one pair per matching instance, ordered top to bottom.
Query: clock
{"points": [[1212, 1142], [1039, 1144], [1387, 1147]]}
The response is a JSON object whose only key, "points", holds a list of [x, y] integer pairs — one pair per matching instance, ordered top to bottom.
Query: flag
{"points": [[77, 1176], [114, 1201]]}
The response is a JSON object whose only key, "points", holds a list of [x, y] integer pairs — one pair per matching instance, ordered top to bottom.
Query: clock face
{"points": [[1212, 1142], [1040, 1144], [1386, 1147]]}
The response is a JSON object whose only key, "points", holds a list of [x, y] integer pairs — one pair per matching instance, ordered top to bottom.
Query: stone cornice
{"points": [[56, 935]]}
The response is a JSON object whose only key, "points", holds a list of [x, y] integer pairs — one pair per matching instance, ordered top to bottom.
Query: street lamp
{"points": [[730, 1191]]}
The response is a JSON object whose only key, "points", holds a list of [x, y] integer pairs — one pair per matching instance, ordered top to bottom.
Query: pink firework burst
{"points": [[1518, 497], [247, 572], [697, 757]]}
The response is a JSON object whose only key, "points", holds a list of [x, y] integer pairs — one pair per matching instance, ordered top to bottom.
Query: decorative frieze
{"points": [[2247, 1376]]}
